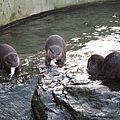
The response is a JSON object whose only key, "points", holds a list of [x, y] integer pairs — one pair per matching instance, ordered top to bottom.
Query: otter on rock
{"points": [[55, 48], [9, 60], [94, 65], [111, 66]]}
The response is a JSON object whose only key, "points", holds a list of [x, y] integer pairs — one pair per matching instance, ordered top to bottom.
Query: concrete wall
{"points": [[12, 10]]}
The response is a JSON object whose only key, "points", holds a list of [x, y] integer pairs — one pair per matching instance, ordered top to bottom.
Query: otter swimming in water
{"points": [[55, 48], [9, 60], [94, 65], [111, 66]]}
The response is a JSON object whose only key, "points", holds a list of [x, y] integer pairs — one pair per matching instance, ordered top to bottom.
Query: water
{"points": [[86, 23], [86, 30]]}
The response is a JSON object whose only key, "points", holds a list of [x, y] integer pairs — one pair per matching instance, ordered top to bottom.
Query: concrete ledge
{"points": [[12, 10]]}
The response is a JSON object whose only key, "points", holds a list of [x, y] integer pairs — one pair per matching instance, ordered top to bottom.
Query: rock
{"points": [[71, 95], [74, 102]]}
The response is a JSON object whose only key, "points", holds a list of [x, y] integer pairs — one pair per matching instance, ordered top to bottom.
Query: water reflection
{"points": [[87, 23], [86, 30]]}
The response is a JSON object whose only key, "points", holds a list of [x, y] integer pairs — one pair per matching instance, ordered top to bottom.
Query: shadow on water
{"points": [[86, 30], [113, 85]]}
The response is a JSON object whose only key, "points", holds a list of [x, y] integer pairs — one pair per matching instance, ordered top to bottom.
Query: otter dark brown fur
{"points": [[55, 47], [9, 58], [94, 65], [111, 66]]}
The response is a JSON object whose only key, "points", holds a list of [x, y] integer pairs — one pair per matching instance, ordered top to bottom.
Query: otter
{"points": [[55, 48], [9, 60], [94, 65], [111, 66]]}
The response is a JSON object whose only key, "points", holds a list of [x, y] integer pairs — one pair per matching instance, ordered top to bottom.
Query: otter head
{"points": [[55, 52], [11, 60], [94, 65]]}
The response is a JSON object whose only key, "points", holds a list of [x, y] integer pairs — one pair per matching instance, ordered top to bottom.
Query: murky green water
{"points": [[85, 24], [90, 29]]}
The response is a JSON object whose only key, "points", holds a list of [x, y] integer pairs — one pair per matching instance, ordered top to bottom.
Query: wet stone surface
{"points": [[68, 93]]}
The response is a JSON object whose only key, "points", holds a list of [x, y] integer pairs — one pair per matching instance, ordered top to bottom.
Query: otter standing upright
{"points": [[55, 48], [9, 60]]}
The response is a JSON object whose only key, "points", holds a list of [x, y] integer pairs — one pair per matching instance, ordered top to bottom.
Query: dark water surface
{"points": [[86, 30]]}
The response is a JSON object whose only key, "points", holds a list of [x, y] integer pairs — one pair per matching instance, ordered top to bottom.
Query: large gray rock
{"points": [[68, 94]]}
